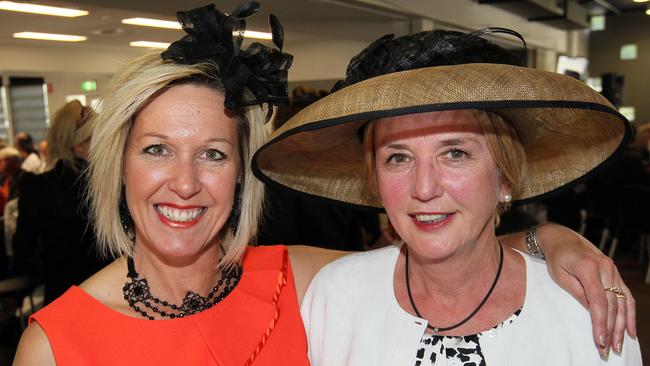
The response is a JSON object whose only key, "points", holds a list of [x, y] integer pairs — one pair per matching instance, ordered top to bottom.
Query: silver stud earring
{"points": [[507, 197]]}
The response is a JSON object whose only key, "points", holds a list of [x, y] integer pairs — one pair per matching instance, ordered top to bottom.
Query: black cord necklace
{"points": [[137, 291], [444, 329]]}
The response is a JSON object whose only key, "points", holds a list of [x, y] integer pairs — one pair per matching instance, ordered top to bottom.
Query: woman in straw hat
{"points": [[450, 130], [53, 220]]}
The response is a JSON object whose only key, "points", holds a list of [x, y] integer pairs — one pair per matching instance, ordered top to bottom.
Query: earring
{"points": [[505, 205], [125, 216], [233, 219]]}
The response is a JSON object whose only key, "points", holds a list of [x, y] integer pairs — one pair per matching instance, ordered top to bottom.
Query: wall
{"points": [[604, 57]]}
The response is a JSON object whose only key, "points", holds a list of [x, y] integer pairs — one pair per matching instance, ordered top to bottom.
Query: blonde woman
{"points": [[52, 229]]}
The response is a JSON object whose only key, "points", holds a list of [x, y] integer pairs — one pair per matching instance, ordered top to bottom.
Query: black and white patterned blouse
{"points": [[457, 350]]}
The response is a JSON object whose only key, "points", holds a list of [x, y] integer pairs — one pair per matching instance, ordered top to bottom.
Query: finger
{"points": [[597, 301], [630, 306], [612, 310], [619, 325]]}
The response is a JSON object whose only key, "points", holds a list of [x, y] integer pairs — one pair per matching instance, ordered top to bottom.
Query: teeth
{"points": [[179, 215], [430, 218]]}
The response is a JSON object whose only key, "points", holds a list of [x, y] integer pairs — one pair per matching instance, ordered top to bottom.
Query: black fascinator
{"points": [[216, 37], [427, 49]]}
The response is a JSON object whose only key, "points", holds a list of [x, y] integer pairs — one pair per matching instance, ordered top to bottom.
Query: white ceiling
{"points": [[303, 21]]}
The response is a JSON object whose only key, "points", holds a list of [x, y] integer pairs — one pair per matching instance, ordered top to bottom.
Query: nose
{"points": [[184, 179], [426, 182]]}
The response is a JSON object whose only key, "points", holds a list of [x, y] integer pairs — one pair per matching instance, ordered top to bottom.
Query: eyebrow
{"points": [[165, 137], [458, 141], [447, 142]]}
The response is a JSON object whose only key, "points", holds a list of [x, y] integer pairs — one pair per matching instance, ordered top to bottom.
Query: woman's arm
{"points": [[306, 261], [582, 270], [34, 348]]}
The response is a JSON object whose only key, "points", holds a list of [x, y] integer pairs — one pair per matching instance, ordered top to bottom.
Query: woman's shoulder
{"points": [[264, 256], [363, 260], [358, 270], [105, 286], [540, 287], [34, 347]]}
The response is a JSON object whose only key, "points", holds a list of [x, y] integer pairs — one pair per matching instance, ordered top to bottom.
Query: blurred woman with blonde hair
{"points": [[68, 137], [53, 230]]}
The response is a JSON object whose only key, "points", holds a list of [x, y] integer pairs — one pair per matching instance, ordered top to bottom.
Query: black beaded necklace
{"points": [[137, 291], [444, 329]]}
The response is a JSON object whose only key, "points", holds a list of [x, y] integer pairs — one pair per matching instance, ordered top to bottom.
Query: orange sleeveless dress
{"points": [[258, 323]]}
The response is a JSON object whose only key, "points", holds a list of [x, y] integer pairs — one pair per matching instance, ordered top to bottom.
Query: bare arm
{"points": [[306, 261], [583, 271], [34, 348]]}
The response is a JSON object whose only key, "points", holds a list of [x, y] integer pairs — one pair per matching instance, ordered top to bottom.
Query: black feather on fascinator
{"points": [[216, 37], [427, 49]]}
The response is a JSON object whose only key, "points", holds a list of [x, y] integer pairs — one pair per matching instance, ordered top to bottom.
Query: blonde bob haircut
{"points": [[138, 83], [71, 125], [503, 142]]}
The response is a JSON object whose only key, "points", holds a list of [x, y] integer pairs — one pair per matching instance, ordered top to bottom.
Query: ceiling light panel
{"points": [[41, 9], [157, 23], [50, 36], [148, 44]]}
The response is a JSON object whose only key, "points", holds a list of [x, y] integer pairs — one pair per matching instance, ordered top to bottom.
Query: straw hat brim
{"points": [[567, 129]]}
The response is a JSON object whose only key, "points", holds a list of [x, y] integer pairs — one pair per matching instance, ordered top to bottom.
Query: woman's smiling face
{"points": [[181, 166], [437, 180]]}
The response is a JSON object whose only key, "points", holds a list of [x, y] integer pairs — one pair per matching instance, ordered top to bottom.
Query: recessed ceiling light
{"points": [[641, 1], [41, 9], [647, 11], [158, 23], [50, 36], [148, 44]]}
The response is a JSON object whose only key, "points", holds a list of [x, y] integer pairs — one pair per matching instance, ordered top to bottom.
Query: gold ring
{"points": [[616, 291]]}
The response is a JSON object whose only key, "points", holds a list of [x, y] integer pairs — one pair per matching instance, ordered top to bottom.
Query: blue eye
{"points": [[156, 150]]}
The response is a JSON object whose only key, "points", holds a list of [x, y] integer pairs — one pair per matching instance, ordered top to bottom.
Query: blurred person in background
{"points": [[44, 153], [31, 161], [10, 175], [54, 237]]}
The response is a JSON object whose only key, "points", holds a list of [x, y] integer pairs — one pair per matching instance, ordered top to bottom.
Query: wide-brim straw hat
{"points": [[568, 130]]}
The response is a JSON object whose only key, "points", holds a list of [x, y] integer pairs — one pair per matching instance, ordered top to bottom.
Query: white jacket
{"points": [[352, 318]]}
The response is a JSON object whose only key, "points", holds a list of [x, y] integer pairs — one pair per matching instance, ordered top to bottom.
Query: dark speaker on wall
{"points": [[612, 84]]}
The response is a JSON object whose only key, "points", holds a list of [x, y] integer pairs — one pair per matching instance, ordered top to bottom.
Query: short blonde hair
{"points": [[130, 91], [70, 126], [503, 142], [9, 153]]}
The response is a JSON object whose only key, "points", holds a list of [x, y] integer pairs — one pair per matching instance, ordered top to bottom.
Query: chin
{"points": [[182, 253]]}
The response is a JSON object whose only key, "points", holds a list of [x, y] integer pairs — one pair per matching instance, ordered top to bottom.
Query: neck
{"points": [[467, 273], [171, 280]]}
